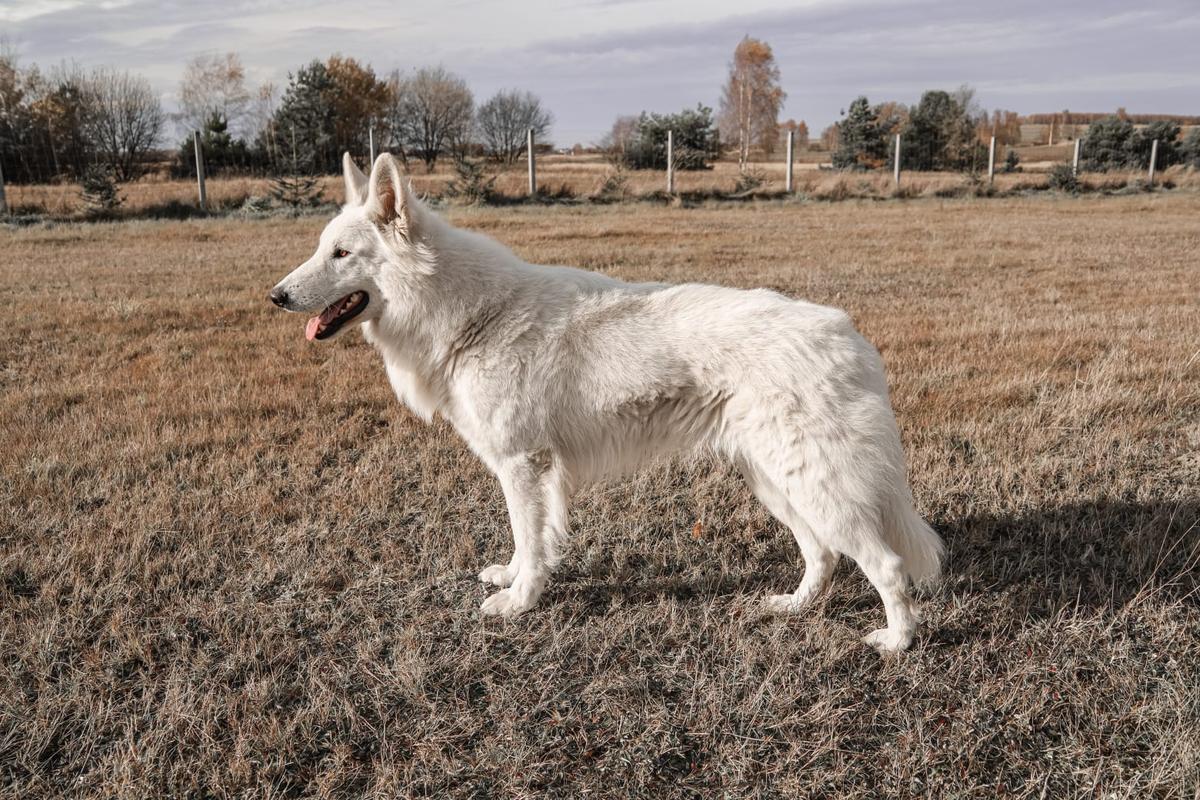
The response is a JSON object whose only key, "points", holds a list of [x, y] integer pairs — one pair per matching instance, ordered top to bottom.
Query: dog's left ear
{"points": [[356, 182], [389, 199]]}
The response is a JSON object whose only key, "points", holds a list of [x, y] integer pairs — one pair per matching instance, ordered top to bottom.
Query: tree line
{"points": [[65, 122], [943, 131], [947, 131]]}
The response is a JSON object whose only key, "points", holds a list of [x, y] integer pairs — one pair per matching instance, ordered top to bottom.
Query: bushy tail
{"points": [[915, 542]]}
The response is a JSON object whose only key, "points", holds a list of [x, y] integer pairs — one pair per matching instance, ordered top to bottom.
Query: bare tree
{"points": [[214, 85], [964, 95], [751, 99], [431, 113], [260, 116], [124, 121], [504, 122], [1006, 127], [800, 129], [830, 137], [617, 142]]}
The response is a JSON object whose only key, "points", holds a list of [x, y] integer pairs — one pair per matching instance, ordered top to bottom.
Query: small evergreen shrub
{"points": [[696, 141], [1189, 149], [1063, 178], [749, 180], [471, 185], [615, 185], [99, 190], [296, 191], [256, 204]]}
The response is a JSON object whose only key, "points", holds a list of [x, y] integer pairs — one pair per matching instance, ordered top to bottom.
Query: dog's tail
{"points": [[917, 544]]}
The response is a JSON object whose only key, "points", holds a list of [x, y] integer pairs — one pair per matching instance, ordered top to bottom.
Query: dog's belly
{"points": [[606, 443]]}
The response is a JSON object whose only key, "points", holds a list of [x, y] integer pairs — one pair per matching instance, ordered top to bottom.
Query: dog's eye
{"points": [[340, 253]]}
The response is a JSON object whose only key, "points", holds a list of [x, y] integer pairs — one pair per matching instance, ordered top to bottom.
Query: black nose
{"points": [[279, 297]]}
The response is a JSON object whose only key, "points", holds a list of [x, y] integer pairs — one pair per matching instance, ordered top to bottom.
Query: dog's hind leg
{"points": [[536, 506], [856, 531], [819, 560], [885, 570]]}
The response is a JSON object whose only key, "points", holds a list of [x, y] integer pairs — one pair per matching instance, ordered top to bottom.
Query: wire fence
{"points": [[776, 175]]}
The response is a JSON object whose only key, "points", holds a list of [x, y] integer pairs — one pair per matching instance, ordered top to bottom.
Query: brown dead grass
{"points": [[232, 565]]}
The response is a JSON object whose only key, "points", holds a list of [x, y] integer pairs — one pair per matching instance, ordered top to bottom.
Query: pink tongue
{"points": [[310, 329]]}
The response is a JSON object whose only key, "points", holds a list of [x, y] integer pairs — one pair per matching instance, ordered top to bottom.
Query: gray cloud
{"points": [[1023, 55]]}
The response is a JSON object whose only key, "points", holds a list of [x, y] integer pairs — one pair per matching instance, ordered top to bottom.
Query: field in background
{"points": [[584, 177], [231, 563]]}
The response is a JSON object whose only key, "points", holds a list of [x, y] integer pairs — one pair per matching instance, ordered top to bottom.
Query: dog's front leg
{"points": [[523, 481]]}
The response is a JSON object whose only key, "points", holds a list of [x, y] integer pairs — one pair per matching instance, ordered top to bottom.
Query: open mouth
{"points": [[330, 321]]}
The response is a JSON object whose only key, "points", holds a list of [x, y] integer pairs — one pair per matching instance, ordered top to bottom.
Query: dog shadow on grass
{"points": [[1096, 557], [1007, 567]]}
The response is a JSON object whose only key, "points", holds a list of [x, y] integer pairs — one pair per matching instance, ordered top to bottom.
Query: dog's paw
{"points": [[498, 574], [505, 603], [790, 603], [782, 604], [886, 640]]}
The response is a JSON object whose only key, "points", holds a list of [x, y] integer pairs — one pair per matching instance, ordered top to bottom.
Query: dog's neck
{"points": [[437, 310]]}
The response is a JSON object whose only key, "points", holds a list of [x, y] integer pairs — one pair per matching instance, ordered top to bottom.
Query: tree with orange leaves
{"points": [[751, 99], [359, 100], [800, 129]]}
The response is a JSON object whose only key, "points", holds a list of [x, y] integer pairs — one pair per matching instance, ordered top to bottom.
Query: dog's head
{"points": [[368, 255]]}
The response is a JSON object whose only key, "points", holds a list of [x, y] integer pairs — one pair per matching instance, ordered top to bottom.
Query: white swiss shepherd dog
{"points": [[557, 377]]}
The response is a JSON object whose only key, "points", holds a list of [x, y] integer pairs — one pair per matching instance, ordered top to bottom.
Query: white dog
{"points": [[557, 377]]}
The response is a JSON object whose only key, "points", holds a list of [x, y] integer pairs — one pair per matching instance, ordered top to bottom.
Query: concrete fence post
{"points": [[791, 143], [371, 145], [1075, 158], [897, 160], [992, 160], [1153, 160], [670, 162], [532, 164], [200, 171]]}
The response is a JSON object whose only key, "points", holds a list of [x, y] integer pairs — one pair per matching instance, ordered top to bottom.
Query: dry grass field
{"points": [[231, 565]]}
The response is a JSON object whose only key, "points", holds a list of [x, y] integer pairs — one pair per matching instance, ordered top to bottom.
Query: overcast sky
{"points": [[592, 60]]}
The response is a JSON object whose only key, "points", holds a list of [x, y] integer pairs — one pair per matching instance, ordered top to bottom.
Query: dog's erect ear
{"points": [[356, 182], [389, 199]]}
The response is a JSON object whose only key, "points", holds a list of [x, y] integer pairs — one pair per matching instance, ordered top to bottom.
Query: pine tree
{"points": [[304, 126], [941, 133], [861, 139], [696, 140], [1109, 143], [221, 150], [1189, 151]]}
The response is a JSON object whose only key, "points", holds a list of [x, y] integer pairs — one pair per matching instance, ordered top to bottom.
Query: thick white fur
{"points": [[557, 377]]}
